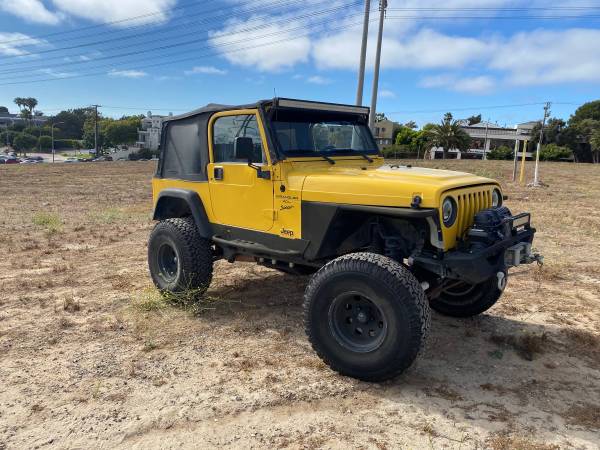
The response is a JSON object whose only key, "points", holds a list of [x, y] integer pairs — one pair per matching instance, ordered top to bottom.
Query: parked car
{"points": [[103, 158], [12, 160], [71, 160]]}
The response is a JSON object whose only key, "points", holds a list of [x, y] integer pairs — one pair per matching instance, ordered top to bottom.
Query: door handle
{"points": [[218, 173]]}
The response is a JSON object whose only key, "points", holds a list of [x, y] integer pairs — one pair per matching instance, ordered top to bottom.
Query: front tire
{"points": [[180, 260], [467, 300], [366, 316]]}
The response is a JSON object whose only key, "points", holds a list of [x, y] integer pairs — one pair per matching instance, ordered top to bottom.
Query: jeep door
{"points": [[241, 195]]}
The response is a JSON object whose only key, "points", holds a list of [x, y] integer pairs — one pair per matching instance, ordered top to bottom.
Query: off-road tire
{"points": [[194, 257], [397, 295], [481, 298]]}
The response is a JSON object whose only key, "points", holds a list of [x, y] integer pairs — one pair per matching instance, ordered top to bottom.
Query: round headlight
{"points": [[496, 198], [449, 211]]}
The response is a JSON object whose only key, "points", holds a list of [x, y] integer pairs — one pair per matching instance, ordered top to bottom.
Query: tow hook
{"points": [[501, 281]]}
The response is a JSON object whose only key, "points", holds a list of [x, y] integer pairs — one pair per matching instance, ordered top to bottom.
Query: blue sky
{"points": [[462, 56]]}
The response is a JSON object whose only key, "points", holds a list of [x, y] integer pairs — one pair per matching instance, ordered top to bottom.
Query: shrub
{"points": [[11, 137], [24, 142], [45, 143], [67, 144], [398, 152], [502, 152], [553, 152], [142, 154]]}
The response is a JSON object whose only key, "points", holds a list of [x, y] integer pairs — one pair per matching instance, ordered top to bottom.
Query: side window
{"points": [[236, 139]]}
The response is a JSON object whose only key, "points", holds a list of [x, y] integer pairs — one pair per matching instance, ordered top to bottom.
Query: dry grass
{"points": [[91, 353]]}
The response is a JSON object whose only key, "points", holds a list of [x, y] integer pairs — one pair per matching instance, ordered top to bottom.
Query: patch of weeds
{"points": [[108, 216], [48, 221], [150, 300], [71, 304], [149, 345], [527, 345], [444, 392], [584, 415], [507, 442]]}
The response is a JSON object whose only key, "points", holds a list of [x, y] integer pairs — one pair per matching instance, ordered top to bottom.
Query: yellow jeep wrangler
{"points": [[301, 187]]}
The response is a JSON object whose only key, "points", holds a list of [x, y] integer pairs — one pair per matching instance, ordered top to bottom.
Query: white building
{"points": [[8, 120], [149, 134], [487, 136]]}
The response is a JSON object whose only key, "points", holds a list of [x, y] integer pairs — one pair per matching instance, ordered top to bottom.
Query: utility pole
{"points": [[382, 7], [363, 55], [96, 130], [536, 177]]}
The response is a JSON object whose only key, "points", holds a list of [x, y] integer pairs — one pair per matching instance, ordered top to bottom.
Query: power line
{"points": [[492, 17], [208, 20], [104, 24], [189, 42], [219, 45], [169, 62]]}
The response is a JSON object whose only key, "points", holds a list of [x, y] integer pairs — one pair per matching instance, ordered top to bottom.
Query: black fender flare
{"points": [[173, 203]]}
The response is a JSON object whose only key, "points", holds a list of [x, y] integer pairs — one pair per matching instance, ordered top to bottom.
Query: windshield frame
{"points": [[333, 116]]}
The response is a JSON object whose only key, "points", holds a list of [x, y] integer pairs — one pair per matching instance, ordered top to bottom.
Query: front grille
{"points": [[470, 203]]}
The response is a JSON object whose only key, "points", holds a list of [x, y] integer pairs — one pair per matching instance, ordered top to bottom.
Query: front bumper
{"points": [[478, 264]]}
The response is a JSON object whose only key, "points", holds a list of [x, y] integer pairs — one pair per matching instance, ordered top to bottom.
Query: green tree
{"points": [[26, 105], [3, 110], [589, 110], [380, 116], [474, 120], [72, 124], [412, 125], [123, 131], [448, 135], [8, 136], [24, 142], [45, 143], [595, 144], [502, 152], [553, 152]]}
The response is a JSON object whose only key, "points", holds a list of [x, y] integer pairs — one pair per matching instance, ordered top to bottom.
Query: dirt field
{"points": [[90, 356]]}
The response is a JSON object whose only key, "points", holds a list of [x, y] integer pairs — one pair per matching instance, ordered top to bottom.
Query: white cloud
{"points": [[30, 11], [155, 11], [15, 44], [248, 47], [424, 49], [550, 57], [206, 70], [127, 73], [57, 74], [317, 79], [471, 85], [386, 93]]}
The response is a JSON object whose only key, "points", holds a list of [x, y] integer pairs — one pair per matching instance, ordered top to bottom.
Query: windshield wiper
{"points": [[367, 157], [327, 158]]}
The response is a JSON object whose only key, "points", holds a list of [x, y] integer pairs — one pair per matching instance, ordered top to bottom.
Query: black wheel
{"points": [[180, 260], [461, 299], [366, 316]]}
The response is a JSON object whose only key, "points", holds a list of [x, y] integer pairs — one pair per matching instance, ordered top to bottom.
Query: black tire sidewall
{"points": [[160, 237], [397, 340]]}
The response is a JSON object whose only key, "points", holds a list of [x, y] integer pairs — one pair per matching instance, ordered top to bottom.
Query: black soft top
{"points": [[184, 150]]}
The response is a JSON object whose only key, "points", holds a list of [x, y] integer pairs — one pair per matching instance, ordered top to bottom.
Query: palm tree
{"points": [[448, 135]]}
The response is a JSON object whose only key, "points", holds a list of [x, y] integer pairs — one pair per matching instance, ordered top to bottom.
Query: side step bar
{"points": [[255, 248]]}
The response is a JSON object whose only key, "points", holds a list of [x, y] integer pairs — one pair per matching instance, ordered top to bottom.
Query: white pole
{"points": [[382, 7], [363, 55], [52, 133], [536, 177]]}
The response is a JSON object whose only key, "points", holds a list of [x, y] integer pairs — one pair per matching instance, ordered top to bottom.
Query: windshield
{"points": [[304, 136]]}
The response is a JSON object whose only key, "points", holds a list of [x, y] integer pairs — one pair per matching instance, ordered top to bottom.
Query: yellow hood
{"points": [[382, 185]]}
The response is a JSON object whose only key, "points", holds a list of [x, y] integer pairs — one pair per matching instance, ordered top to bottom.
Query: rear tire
{"points": [[180, 260], [468, 300], [366, 316]]}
